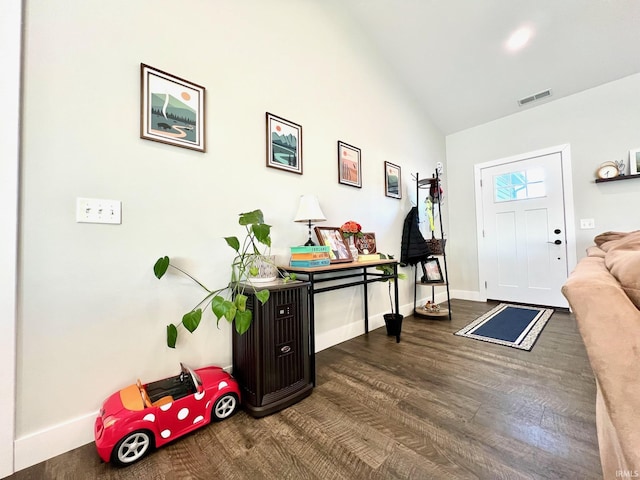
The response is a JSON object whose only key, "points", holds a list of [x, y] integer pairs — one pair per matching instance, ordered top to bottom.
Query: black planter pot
{"points": [[393, 321]]}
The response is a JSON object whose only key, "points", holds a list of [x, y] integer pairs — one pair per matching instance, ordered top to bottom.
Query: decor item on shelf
{"points": [[172, 109], [284, 144], [634, 162], [622, 167], [607, 170], [349, 172], [392, 180], [309, 212], [352, 230], [332, 237], [366, 244], [251, 257], [368, 257], [431, 272], [431, 307], [392, 321]]}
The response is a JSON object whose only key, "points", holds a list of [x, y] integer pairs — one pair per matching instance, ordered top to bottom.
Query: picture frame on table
{"points": [[172, 109], [284, 144], [634, 162], [349, 165], [392, 180], [332, 236], [365, 244], [431, 271]]}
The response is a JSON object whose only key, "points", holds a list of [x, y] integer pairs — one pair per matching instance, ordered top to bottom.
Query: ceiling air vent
{"points": [[534, 97]]}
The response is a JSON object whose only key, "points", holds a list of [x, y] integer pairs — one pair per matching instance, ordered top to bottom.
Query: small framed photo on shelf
{"points": [[171, 109], [284, 144], [634, 162], [349, 167], [392, 180], [332, 237], [366, 243], [431, 271]]}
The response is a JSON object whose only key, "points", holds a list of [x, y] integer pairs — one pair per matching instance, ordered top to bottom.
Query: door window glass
{"points": [[519, 185]]}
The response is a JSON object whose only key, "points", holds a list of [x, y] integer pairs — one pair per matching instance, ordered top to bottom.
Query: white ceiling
{"points": [[450, 54]]}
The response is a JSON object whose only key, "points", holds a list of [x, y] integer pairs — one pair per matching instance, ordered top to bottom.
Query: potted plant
{"points": [[230, 301], [392, 321]]}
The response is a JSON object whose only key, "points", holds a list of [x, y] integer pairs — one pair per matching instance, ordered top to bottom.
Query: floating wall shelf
{"points": [[615, 179]]}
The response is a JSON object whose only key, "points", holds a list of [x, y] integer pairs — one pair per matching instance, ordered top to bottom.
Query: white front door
{"points": [[523, 243]]}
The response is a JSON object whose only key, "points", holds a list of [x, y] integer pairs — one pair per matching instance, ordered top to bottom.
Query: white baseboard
{"points": [[467, 295], [45, 444]]}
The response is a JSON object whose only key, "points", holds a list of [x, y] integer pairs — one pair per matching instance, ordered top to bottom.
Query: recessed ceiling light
{"points": [[519, 39]]}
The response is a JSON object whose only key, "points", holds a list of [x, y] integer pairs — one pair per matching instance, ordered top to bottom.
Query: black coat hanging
{"points": [[414, 248]]}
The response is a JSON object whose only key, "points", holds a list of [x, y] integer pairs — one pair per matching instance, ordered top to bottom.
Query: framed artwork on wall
{"points": [[171, 109], [284, 144], [634, 162], [349, 167], [392, 180], [332, 236]]}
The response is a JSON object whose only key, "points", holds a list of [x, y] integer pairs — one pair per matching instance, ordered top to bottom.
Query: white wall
{"points": [[10, 36], [600, 124], [93, 315]]}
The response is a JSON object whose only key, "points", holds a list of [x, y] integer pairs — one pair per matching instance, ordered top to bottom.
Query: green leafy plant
{"points": [[387, 271], [230, 301]]}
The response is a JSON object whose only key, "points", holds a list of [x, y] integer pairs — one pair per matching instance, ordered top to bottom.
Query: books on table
{"points": [[310, 256]]}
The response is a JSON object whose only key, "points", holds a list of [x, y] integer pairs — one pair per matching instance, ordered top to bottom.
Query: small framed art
{"points": [[171, 109], [284, 144], [634, 162], [349, 167], [392, 180], [332, 236], [366, 243], [431, 271]]}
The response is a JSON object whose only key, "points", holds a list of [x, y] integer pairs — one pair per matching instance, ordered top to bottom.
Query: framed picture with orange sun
{"points": [[171, 109], [284, 144], [349, 165]]}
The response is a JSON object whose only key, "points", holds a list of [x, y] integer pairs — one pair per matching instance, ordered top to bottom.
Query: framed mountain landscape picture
{"points": [[172, 109], [284, 144], [392, 180]]}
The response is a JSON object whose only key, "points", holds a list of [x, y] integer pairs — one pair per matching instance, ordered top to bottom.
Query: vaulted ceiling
{"points": [[451, 54]]}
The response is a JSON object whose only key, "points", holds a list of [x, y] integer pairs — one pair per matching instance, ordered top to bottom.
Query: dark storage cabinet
{"points": [[271, 360]]}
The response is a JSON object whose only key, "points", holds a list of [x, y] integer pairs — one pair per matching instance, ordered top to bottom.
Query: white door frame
{"points": [[10, 57], [567, 183]]}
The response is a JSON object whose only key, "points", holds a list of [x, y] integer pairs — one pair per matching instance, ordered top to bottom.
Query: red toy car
{"points": [[140, 417]]}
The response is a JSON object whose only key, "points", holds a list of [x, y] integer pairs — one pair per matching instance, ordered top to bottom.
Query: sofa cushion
{"points": [[608, 240], [594, 251], [622, 259]]}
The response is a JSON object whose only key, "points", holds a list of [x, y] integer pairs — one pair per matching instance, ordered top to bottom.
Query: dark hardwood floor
{"points": [[434, 406]]}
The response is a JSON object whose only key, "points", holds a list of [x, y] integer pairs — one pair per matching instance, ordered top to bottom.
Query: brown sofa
{"points": [[604, 294]]}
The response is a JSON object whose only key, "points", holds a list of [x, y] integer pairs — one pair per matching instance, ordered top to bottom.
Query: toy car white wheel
{"points": [[225, 406], [132, 448]]}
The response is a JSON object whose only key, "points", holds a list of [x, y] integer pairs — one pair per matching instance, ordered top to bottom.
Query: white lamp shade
{"points": [[309, 210]]}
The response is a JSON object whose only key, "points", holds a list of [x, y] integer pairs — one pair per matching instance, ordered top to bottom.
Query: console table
{"points": [[346, 275]]}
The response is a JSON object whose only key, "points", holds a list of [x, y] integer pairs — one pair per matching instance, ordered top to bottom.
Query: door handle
{"points": [[557, 242]]}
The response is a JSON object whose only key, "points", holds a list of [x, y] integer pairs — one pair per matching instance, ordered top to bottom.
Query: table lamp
{"points": [[309, 212]]}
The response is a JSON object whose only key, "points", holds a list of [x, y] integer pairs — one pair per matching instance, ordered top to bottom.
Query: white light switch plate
{"points": [[97, 210], [587, 223]]}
